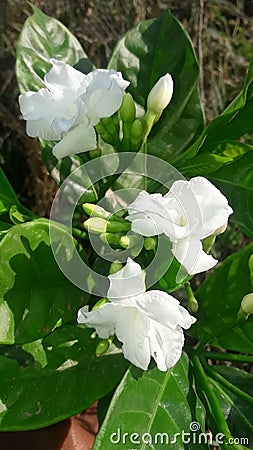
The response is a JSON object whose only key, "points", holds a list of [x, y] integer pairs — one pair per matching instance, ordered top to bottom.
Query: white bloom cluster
{"points": [[70, 105], [190, 212], [148, 323]]}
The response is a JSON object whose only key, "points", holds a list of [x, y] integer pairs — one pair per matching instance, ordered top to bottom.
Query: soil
{"points": [[76, 433]]}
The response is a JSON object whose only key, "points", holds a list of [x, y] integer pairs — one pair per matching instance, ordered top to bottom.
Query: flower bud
{"points": [[160, 95], [127, 109], [137, 129], [95, 211], [96, 225], [99, 225], [110, 238], [128, 241], [150, 243], [116, 266], [100, 303], [247, 303], [102, 346]]}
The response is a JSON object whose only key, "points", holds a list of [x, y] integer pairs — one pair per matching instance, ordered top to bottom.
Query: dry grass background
{"points": [[221, 31]]}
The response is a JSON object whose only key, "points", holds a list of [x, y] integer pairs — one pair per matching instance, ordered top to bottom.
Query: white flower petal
{"points": [[63, 76], [102, 91], [41, 128], [79, 139], [213, 205], [150, 216], [190, 254], [127, 282], [164, 309], [102, 319], [132, 328], [166, 346]]}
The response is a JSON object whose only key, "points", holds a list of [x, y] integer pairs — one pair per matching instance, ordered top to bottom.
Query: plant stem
{"points": [[80, 234], [228, 357], [238, 392], [215, 408]]}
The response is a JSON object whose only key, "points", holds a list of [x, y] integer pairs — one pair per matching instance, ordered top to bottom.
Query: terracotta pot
{"points": [[76, 433]]}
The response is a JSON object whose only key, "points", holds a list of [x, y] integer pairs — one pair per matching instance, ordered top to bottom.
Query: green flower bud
{"points": [[160, 95], [127, 109], [137, 129], [102, 130], [96, 153], [95, 211], [96, 225], [99, 225], [117, 226], [110, 238], [128, 241], [208, 242], [150, 243], [115, 267], [100, 303], [247, 303], [192, 304], [102, 346]]}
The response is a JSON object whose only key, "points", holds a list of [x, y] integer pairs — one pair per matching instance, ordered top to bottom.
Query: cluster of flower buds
{"points": [[134, 131], [112, 228]]}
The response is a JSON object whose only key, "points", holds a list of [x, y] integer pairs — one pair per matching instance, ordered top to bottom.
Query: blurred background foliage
{"points": [[221, 32]]}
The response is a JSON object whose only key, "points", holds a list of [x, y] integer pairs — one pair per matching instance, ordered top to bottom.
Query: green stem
{"points": [[80, 234], [228, 357], [238, 392], [214, 405]]}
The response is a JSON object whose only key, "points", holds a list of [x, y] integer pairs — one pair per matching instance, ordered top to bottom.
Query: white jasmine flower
{"points": [[70, 105], [187, 214], [148, 323]]}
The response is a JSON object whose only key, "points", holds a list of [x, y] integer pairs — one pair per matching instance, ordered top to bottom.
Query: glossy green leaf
{"points": [[43, 38], [143, 55], [234, 122], [219, 154], [235, 181], [7, 194], [35, 296], [219, 298], [54, 378], [234, 390], [154, 405]]}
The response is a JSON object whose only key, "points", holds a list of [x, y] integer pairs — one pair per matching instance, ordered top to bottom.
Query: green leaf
{"points": [[43, 38], [146, 53], [234, 122], [202, 164], [61, 169], [235, 181], [7, 194], [35, 296], [219, 298], [70, 379], [234, 390], [149, 404]]}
